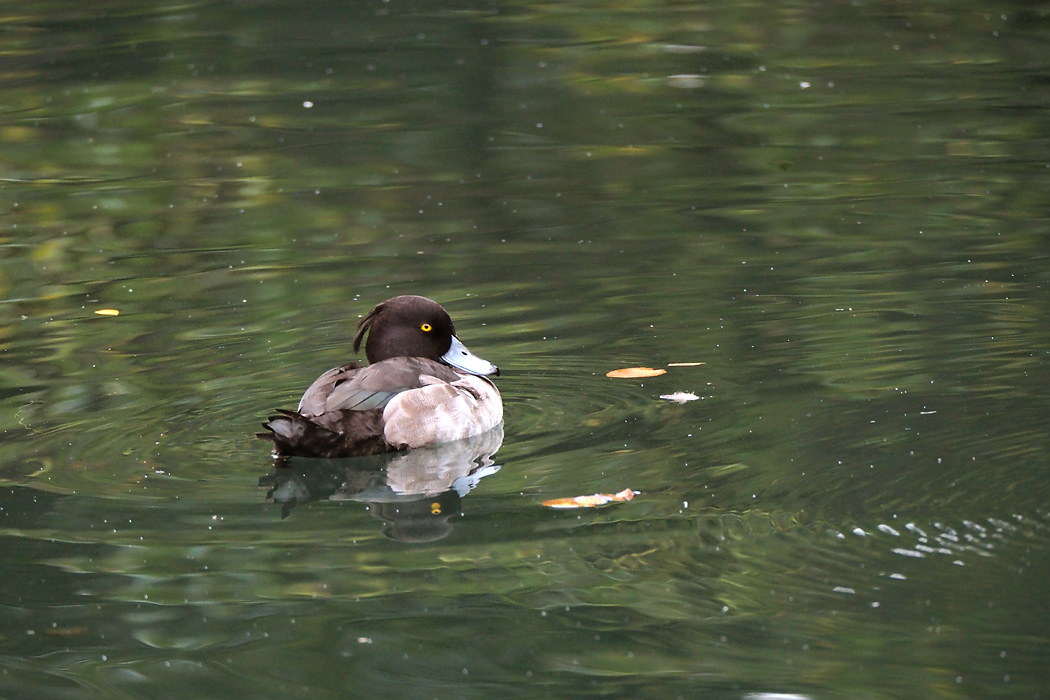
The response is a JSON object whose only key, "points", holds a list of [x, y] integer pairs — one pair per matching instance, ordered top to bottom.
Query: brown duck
{"points": [[421, 387]]}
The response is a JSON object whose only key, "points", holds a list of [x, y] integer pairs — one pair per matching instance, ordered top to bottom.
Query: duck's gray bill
{"points": [[459, 357]]}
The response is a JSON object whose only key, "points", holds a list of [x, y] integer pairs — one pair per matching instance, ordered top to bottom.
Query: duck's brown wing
{"points": [[372, 387], [315, 398]]}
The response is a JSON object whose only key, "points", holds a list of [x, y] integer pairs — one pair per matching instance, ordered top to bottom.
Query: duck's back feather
{"points": [[355, 388]]}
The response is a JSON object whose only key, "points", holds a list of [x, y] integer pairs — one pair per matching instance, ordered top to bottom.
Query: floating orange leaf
{"points": [[107, 312], [635, 372], [592, 501]]}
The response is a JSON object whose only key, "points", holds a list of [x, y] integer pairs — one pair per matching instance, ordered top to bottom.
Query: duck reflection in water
{"points": [[414, 493]]}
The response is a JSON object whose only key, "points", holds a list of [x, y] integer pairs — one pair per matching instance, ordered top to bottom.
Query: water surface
{"points": [[840, 209]]}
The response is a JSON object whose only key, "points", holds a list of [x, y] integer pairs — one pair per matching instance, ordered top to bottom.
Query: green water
{"points": [[839, 208]]}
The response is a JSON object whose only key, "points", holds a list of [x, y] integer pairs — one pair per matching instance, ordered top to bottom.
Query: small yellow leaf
{"points": [[107, 312], [685, 364], [635, 372], [592, 501]]}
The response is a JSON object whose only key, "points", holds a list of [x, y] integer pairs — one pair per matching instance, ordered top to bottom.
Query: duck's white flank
{"points": [[442, 412]]}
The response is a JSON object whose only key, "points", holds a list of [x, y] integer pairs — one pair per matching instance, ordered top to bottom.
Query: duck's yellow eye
{"points": [[426, 328]]}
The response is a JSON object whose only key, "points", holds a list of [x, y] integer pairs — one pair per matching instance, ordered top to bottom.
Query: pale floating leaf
{"points": [[686, 81], [107, 312], [685, 364], [635, 373], [680, 397], [592, 501]]}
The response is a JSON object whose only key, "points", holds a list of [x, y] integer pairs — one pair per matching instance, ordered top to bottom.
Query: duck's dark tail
{"points": [[286, 429], [294, 435]]}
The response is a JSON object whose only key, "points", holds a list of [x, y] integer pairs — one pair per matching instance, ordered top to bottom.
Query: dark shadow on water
{"points": [[414, 493]]}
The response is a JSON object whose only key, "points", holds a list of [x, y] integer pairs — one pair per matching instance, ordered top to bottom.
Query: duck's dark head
{"points": [[414, 326]]}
